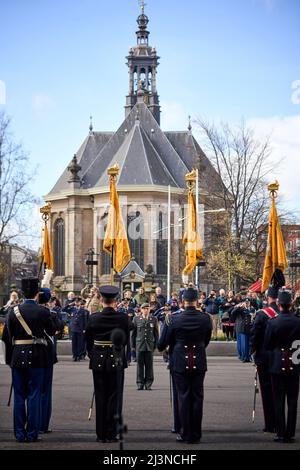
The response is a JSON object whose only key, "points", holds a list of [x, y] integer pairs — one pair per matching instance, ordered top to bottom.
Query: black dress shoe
{"points": [[140, 387], [148, 388], [269, 430], [38, 439], [279, 439], [290, 440], [103, 441], [110, 441], [194, 441]]}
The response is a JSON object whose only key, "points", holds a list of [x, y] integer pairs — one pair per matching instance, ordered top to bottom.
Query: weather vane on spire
{"points": [[142, 5]]}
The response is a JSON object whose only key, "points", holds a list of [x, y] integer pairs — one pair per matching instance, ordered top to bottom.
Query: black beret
{"points": [[110, 292], [272, 292], [190, 294], [285, 297]]}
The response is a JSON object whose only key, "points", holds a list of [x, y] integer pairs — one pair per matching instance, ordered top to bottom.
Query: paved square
{"points": [[227, 410]]}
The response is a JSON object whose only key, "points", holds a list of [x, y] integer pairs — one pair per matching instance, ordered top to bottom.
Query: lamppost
{"points": [[168, 227], [90, 263]]}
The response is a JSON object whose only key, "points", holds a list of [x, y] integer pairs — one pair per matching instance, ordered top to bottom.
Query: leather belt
{"points": [[23, 341], [103, 344]]}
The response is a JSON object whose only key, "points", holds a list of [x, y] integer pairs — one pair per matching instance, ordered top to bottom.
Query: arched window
{"points": [[135, 230], [162, 245], [59, 247]]}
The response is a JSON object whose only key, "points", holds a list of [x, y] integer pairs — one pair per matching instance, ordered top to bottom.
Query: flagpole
{"points": [[197, 222], [169, 245], [112, 271]]}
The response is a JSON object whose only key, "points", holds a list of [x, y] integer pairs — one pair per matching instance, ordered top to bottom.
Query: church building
{"points": [[150, 161]]}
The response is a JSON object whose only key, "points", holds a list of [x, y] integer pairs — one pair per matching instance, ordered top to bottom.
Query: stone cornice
{"points": [[121, 189]]}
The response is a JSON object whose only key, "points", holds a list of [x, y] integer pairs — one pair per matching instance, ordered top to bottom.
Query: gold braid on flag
{"points": [[191, 239], [115, 240], [47, 254], [276, 254]]}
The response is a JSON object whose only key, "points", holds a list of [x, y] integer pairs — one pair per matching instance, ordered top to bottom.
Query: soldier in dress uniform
{"points": [[78, 321], [188, 335], [144, 339], [283, 339], [160, 346], [26, 352], [262, 357], [108, 376], [46, 393]]}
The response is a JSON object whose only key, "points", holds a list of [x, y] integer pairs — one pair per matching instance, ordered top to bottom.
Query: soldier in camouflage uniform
{"points": [[144, 339]]}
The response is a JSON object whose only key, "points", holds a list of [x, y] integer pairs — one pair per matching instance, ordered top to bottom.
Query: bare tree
{"points": [[243, 164], [16, 199]]}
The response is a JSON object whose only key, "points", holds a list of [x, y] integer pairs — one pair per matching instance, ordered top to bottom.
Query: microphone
{"points": [[118, 338]]}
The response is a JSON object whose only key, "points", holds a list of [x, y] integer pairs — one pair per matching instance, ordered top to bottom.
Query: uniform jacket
{"points": [[93, 304], [78, 318], [242, 319], [39, 320], [100, 327], [145, 333], [281, 333], [163, 335], [187, 336], [257, 336]]}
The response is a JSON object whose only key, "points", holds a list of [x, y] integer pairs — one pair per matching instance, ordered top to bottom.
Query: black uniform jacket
{"points": [[39, 320], [99, 328], [282, 335], [187, 336], [257, 337]]}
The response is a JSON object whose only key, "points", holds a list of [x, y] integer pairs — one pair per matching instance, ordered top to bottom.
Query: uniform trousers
{"points": [[78, 345], [144, 368], [27, 384], [108, 388], [286, 388], [190, 390], [267, 397], [46, 399], [175, 404]]}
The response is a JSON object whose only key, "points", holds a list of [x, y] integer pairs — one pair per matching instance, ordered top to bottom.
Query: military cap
{"points": [[30, 287], [110, 292], [272, 292], [190, 294], [44, 295], [285, 297], [146, 305]]}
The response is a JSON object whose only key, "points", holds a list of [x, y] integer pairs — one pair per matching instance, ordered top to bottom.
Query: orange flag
{"points": [[191, 239], [115, 240], [47, 250], [276, 254]]}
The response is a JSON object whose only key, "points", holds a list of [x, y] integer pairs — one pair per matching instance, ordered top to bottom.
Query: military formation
{"points": [[121, 332]]}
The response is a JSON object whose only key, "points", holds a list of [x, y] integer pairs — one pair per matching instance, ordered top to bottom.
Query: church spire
{"points": [[142, 64]]}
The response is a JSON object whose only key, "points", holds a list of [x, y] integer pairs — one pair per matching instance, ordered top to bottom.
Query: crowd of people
{"points": [[232, 315], [181, 327]]}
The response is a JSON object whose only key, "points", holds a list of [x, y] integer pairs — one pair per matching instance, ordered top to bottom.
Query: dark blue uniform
{"points": [[78, 322], [187, 337], [162, 340], [283, 340], [262, 361], [28, 362], [108, 381]]}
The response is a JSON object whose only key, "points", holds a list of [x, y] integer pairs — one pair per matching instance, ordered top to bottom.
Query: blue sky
{"points": [[63, 60]]}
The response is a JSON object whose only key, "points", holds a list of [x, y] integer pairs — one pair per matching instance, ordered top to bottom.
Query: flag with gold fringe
{"points": [[191, 239], [115, 240], [47, 254], [276, 254]]}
